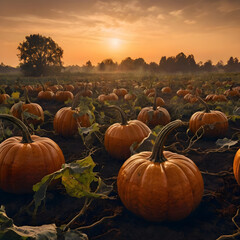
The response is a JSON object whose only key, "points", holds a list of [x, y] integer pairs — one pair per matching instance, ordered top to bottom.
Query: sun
{"points": [[115, 43]]}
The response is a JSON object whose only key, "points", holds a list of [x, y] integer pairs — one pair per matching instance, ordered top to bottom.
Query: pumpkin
{"points": [[69, 87], [53, 88], [166, 90], [148, 91], [120, 92], [182, 92], [232, 92], [87, 93], [44, 94], [63, 96], [129, 96], [112, 97], [3, 98], [190, 98], [219, 98], [160, 101], [18, 110], [153, 116], [68, 119], [214, 123], [120, 136], [25, 160], [236, 166], [160, 185]]}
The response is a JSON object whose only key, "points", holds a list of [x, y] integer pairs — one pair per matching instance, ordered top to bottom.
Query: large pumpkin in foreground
{"points": [[120, 136], [25, 160], [160, 185]]}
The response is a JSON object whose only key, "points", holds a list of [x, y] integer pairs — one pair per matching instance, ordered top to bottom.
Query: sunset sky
{"points": [[98, 29]]}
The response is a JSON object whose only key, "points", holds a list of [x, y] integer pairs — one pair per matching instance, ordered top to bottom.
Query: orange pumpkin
{"points": [[166, 90], [120, 92], [182, 92], [44, 94], [63, 96], [129, 96], [3, 98], [19, 108], [153, 116], [68, 119], [214, 123], [120, 136], [25, 160], [236, 166], [160, 185]]}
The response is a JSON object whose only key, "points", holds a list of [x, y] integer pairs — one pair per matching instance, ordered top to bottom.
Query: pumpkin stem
{"points": [[44, 89], [27, 100], [75, 100], [207, 110], [122, 113], [26, 137], [157, 153]]}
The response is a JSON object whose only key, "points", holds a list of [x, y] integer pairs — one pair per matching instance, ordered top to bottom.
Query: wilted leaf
{"points": [[225, 142], [146, 144], [76, 178], [8, 231], [73, 235]]}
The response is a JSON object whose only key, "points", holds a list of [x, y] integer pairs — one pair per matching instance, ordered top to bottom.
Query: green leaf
{"points": [[15, 95], [4, 110], [28, 115], [76, 178]]}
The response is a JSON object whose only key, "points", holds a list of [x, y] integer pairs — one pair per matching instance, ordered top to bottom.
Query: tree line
{"points": [[40, 56], [180, 63]]}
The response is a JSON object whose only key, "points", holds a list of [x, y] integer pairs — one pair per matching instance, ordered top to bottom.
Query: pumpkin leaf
{"points": [[15, 95], [4, 110], [236, 111], [27, 115], [86, 133], [225, 142], [145, 145], [77, 178], [45, 232]]}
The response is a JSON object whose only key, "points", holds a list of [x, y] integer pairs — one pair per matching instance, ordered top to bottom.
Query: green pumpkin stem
{"points": [[43, 87], [27, 100], [207, 110], [122, 113], [26, 136], [157, 153]]}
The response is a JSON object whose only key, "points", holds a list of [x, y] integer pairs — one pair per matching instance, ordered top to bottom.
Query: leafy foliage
{"points": [[39, 55], [77, 178], [45, 232]]}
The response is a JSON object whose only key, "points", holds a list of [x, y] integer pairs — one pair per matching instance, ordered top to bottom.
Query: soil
{"points": [[211, 219]]}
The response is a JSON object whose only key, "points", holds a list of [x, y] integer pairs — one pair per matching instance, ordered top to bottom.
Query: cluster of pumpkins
{"points": [[157, 185]]}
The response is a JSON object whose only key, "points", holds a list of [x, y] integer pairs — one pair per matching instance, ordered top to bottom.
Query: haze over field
{"points": [[95, 30]]}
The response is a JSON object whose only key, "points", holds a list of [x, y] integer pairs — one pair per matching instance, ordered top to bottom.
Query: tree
{"points": [[39, 55], [107, 65], [88, 66]]}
